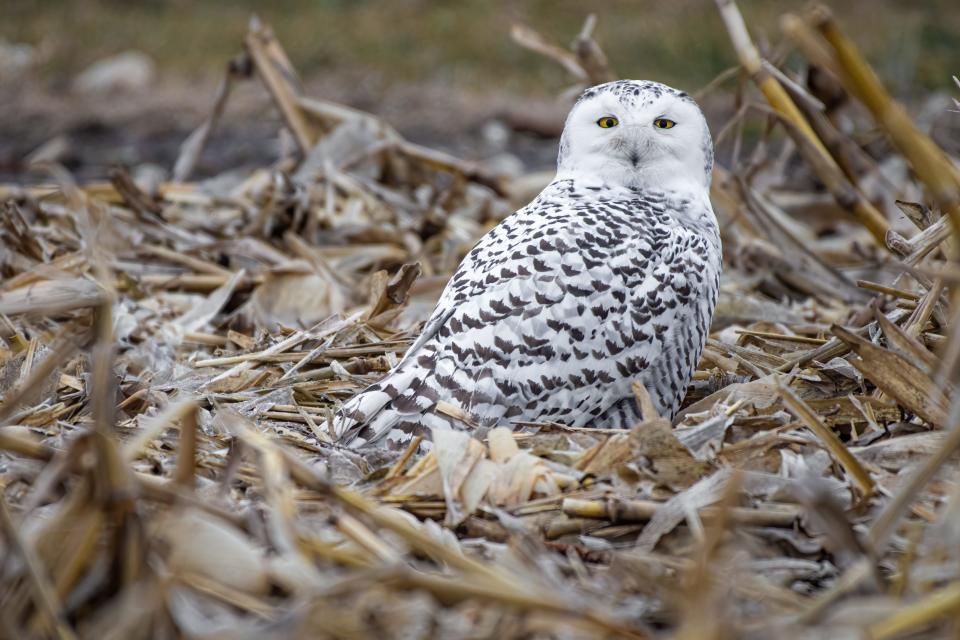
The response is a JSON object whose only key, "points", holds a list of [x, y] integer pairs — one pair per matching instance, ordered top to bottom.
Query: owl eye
{"points": [[607, 122], [664, 123]]}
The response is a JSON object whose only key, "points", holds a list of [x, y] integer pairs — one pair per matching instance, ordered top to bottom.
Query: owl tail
{"points": [[396, 408]]}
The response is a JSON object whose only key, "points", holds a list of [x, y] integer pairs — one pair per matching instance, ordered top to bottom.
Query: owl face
{"points": [[637, 134]]}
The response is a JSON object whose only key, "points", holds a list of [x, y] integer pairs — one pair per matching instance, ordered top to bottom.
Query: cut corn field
{"points": [[171, 356]]}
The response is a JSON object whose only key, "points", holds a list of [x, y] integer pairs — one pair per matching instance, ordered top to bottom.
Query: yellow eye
{"points": [[607, 122], [663, 123]]}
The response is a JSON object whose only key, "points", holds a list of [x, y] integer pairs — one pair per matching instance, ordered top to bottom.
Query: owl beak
{"points": [[634, 145]]}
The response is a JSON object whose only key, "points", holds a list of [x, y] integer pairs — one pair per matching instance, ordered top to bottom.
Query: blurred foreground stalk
{"points": [[808, 143], [926, 158]]}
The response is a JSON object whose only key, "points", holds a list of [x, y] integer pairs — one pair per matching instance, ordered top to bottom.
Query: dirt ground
{"points": [[90, 133]]}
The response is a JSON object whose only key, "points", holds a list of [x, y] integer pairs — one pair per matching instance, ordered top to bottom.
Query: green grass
{"points": [[466, 43]]}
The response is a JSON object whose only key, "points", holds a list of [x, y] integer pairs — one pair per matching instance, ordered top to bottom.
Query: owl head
{"points": [[637, 134]]}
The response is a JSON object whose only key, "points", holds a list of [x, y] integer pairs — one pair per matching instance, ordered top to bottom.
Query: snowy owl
{"points": [[609, 276]]}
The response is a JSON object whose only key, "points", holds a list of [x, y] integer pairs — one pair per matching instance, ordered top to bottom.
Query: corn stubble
{"points": [[172, 358]]}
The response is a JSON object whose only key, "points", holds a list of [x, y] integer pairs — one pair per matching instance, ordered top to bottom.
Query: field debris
{"points": [[171, 355]]}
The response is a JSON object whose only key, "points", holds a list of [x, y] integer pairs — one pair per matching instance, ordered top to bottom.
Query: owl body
{"points": [[599, 282]]}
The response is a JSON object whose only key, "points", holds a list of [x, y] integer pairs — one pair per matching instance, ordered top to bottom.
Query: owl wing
{"points": [[551, 316]]}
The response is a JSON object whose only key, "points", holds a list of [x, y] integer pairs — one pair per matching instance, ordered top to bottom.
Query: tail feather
{"points": [[398, 403]]}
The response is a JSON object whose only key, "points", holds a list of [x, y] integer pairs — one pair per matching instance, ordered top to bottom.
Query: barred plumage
{"points": [[610, 275]]}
